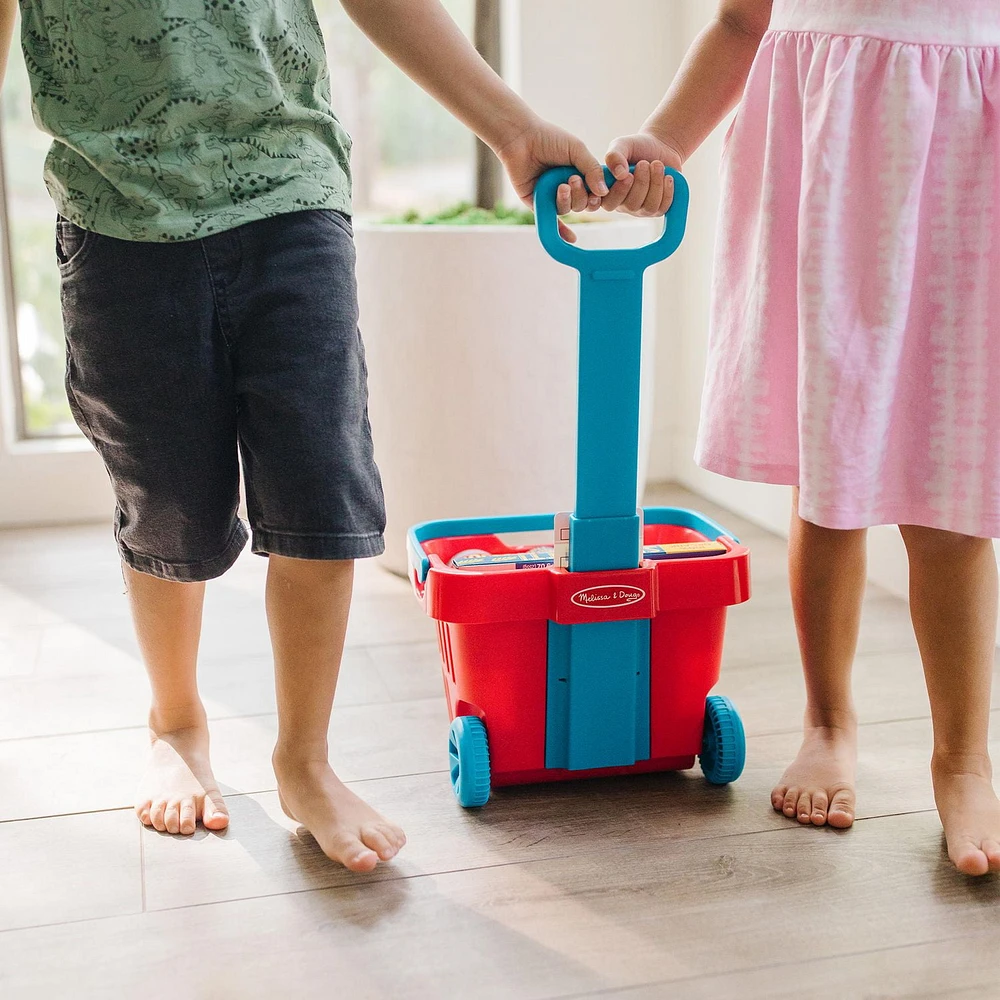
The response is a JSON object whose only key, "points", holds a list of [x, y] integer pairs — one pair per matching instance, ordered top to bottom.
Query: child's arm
{"points": [[8, 12], [420, 38], [705, 90]]}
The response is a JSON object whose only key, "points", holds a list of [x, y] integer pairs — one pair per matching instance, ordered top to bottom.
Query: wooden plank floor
{"points": [[638, 888]]}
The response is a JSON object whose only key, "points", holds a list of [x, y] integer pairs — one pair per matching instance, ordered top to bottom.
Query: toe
{"points": [[778, 797], [791, 799], [819, 807], [803, 808], [142, 811], [841, 812], [156, 815], [215, 815], [172, 816], [188, 817], [393, 834], [375, 838], [991, 848], [351, 853], [967, 856], [362, 860]]}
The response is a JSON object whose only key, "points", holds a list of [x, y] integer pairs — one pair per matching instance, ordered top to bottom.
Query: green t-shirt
{"points": [[174, 119]]}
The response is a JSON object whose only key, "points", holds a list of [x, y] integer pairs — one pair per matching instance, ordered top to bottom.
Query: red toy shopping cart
{"points": [[585, 644]]}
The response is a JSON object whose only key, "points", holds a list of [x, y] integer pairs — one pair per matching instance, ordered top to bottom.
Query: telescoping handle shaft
{"points": [[609, 375]]}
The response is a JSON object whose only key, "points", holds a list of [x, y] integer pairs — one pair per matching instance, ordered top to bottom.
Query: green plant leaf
{"points": [[466, 214]]}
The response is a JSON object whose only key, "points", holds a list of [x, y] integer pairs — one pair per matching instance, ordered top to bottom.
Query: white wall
{"points": [[600, 84]]}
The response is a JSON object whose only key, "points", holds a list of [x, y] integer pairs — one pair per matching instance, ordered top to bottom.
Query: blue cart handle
{"points": [[623, 259]]}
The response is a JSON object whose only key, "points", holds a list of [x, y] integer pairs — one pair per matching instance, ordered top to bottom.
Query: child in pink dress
{"points": [[855, 342]]}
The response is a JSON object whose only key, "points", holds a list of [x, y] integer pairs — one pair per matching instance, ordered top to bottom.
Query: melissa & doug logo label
{"points": [[608, 597]]}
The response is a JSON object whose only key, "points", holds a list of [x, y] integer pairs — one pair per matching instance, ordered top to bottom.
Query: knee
{"points": [[833, 539], [937, 543], [310, 570]]}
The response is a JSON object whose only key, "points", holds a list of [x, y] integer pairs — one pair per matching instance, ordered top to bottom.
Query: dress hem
{"points": [[842, 518]]}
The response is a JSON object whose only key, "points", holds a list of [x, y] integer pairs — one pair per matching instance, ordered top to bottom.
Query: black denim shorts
{"points": [[183, 358]]}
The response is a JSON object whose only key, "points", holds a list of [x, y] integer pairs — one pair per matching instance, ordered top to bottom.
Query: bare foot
{"points": [[818, 786], [178, 788], [969, 811], [346, 828]]}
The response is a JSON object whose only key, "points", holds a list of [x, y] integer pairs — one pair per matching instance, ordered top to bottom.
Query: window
{"points": [[408, 152], [35, 277]]}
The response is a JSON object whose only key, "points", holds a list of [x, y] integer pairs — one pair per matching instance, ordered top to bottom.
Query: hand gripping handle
{"points": [[623, 259]]}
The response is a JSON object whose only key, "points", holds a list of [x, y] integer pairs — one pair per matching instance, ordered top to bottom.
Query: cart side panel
{"points": [[685, 658], [499, 670]]}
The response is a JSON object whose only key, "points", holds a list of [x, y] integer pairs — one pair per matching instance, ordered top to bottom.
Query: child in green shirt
{"points": [[204, 239]]}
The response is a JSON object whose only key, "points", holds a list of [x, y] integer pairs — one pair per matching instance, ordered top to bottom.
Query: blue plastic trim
{"points": [[626, 259], [609, 367], [684, 518], [457, 527], [598, 543], [642, 695], [557, 696], [597, 702], [724, 746], [469, 759]]}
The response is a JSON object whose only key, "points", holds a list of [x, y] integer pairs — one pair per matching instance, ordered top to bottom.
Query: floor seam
{"points": [[416, 701], [212, 719], [442, 771], [225, 795], [522, 862], [361, 882], [840, 956]]}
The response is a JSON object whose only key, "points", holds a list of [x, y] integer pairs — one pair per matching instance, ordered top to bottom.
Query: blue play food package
{"points": [[533, 558]]}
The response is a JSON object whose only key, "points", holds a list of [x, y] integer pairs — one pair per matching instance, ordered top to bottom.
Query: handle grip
{"points": [[625, 258]]}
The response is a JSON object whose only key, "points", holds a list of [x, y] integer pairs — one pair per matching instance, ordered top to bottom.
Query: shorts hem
{"points": [[318, 546], [188, 572]]}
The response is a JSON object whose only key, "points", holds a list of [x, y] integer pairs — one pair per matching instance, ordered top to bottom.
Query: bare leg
{"points": [[827, 571], [953, 602], [307, 607], [178, 787]]}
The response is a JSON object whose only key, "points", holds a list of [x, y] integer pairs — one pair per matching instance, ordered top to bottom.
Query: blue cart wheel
{"points": [[724, 745], [469, 754]]}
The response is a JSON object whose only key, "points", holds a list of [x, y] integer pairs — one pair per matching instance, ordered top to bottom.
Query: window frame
{"points": [[9, 315], [44, 478]]}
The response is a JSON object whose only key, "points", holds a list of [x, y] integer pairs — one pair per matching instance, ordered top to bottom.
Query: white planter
{"points": [[471, 340]]}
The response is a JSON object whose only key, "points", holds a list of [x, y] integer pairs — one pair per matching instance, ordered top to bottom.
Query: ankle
{"points": [[169, 718], [836, 720], [299, 757], [948, 762]]}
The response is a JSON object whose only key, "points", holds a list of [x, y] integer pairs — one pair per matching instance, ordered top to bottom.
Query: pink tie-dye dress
{"points": [[855, 336]]}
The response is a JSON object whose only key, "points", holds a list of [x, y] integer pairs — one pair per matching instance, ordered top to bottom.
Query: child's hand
{"points": [[541, 146], [647, 192]]}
